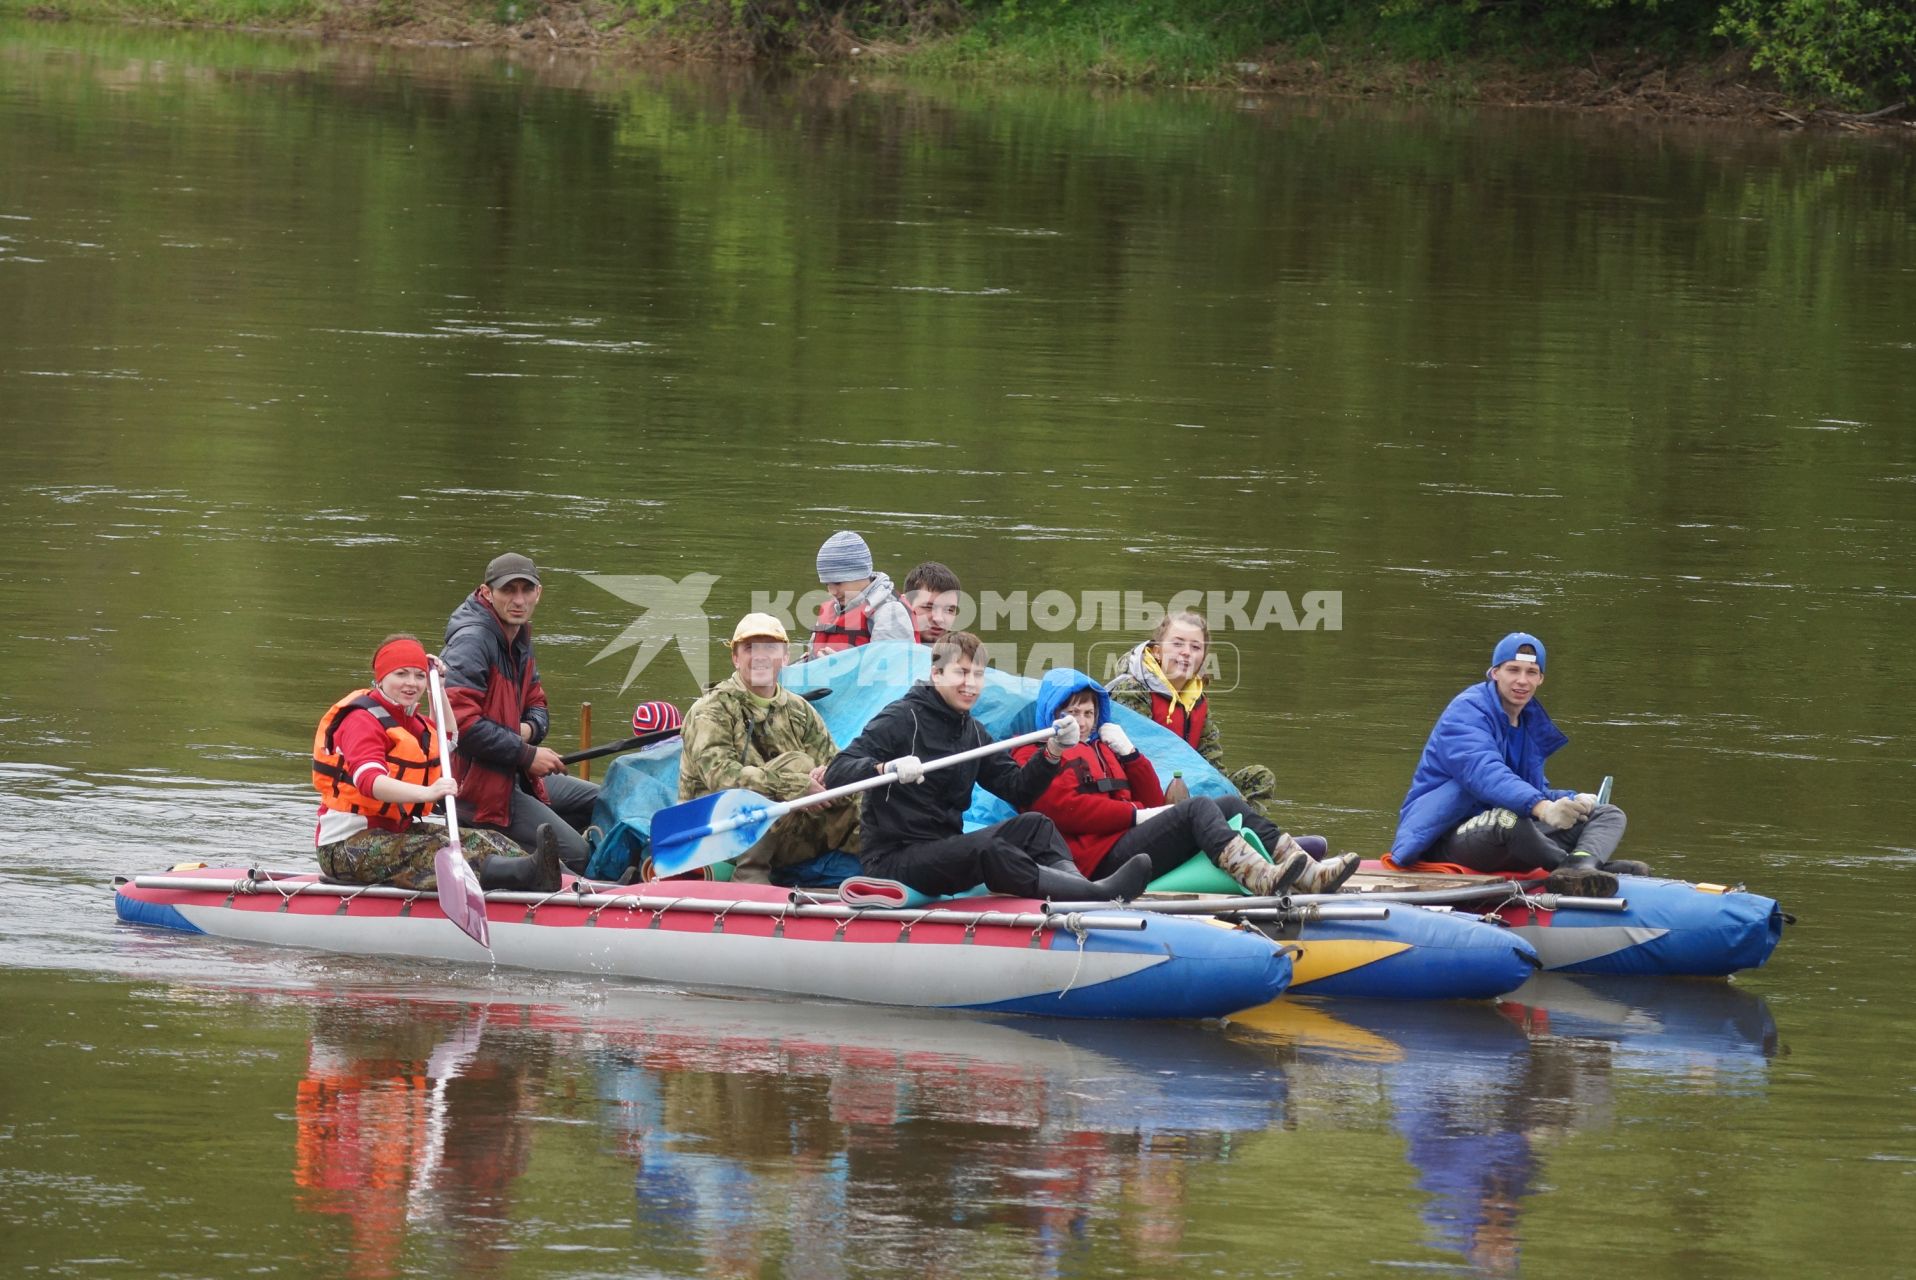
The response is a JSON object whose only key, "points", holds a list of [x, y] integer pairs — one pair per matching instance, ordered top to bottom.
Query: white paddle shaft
{"points": [[439, 712], [780, 808]]}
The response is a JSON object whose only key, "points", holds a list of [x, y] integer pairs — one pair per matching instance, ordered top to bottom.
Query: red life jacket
{"points": [[834, 631], [1188, 725], [1097, 772], [1095, 798]]}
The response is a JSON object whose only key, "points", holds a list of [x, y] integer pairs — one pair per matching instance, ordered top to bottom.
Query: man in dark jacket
{"points": [[506, 779], [914, 832]]}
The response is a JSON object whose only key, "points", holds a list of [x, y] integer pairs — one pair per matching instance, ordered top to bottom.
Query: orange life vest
{"points": [[1188, 725], [406, 759]]}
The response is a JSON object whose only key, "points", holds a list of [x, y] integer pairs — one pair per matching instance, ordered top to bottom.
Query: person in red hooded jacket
{"points": [[1108, 804]]}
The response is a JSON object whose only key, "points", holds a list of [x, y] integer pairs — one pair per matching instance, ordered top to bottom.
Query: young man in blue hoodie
{"points": [[1479, 797]]}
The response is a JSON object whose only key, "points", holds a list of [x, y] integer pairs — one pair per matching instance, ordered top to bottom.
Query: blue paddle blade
{"points": [[709, 829]]}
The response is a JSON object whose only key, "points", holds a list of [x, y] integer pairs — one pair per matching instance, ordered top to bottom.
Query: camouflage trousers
{"points": [[1255, 783], [800, 837], [404, 859]]}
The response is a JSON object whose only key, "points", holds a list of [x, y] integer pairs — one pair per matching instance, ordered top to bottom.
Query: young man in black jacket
{"points": [[913, 831]]}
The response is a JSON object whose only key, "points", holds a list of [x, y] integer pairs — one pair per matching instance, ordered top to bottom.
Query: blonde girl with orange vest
{"points": [[376, 768]]}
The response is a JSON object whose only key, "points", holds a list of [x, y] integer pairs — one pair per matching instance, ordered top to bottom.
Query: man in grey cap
{"points": [[861, 606], [507, 780]]}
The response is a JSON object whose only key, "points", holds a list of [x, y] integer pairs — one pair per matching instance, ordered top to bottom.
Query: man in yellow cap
{"points": [[752, 732]]}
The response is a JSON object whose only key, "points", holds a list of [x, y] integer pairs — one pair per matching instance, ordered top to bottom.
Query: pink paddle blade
{"points": [[460, 896]]}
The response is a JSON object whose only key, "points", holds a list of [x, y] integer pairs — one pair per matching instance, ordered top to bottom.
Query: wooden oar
{"points": [[727, 823], [460, 896]]}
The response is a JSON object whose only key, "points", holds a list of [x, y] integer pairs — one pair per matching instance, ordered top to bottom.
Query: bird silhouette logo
{"points": [[672, 612]]}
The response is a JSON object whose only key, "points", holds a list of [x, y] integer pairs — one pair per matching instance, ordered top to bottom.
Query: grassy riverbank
{"points": [[1712, 58]]}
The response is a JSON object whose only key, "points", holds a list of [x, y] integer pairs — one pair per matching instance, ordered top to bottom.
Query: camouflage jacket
{"points": [[731, 741]]}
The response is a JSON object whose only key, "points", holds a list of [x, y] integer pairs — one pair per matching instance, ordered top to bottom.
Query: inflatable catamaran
{"points": [[1195, 948]]}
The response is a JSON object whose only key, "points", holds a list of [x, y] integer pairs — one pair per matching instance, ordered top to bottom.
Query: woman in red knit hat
{"points": [[376, 767]]}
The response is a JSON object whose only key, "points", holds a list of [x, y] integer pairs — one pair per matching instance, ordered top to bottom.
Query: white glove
{"points": [[1065, 732], [1115, 739], [908, 768], [1587, 802], [1559, 815], [1143, 816]]}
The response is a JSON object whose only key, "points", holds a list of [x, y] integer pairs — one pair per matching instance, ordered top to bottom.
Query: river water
{"points": [[293, 338]]}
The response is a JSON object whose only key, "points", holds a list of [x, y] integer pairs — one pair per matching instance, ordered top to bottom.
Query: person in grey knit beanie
{"points": [[862, 607]]}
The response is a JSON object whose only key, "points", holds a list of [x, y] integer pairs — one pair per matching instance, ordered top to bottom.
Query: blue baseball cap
{"points": [[1507, 648]]}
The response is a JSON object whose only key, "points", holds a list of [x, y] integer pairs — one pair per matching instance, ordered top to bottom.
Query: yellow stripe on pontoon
{"points": [[1332, 956], [1314, 960]]}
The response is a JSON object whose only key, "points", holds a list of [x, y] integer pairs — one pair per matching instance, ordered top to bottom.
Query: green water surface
{"points": [[295, 337]]}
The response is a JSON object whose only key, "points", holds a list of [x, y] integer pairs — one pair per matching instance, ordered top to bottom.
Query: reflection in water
{"points": [[1478, 1092], [413, 1119], [781, 1135], [914, 1137], [815, 1141]]}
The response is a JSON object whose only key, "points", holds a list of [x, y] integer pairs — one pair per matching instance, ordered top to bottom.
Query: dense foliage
{"points": [[1848, 49], [1855, 51]]}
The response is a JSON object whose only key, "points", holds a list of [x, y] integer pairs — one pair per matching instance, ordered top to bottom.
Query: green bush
{"points": [[771, 27], [1433, 28], [1856, 51]]}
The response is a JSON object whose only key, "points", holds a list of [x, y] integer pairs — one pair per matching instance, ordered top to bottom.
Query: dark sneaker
{"points": [[1627, 867]]}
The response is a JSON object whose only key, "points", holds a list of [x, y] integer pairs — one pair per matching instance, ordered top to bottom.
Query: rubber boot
{"points": [[1317, 846], [1626, 867], [537, 872], [1327, 875], [1262, 877], [1581, 877], [1127, 882], [1065, 884]]}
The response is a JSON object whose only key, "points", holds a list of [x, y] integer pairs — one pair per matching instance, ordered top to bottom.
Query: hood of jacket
{"points": [[876, 592], [475, 612], [1142, 666], [1146, 674], [1059, 686], [732, 689], [940, 727]]}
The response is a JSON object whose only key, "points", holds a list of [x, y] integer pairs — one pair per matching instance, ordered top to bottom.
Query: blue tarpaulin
{"points": [[861, 681]]}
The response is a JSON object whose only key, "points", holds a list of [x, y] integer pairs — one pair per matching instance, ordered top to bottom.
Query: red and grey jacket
{"points": [[834, 630], [491, 686], [1095, 798]]}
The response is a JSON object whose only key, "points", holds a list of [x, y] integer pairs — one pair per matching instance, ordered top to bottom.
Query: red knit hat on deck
{"points": [[400, 651]]}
